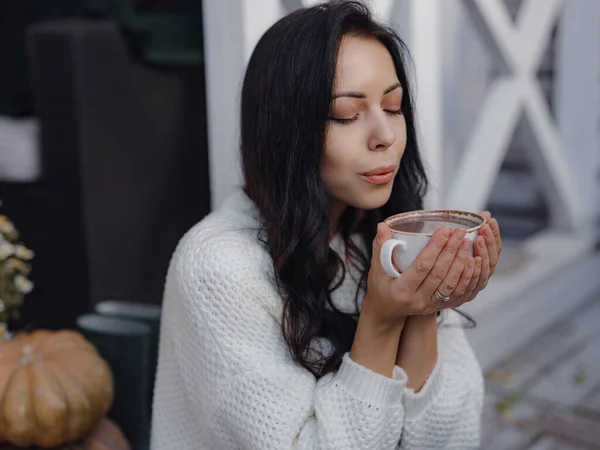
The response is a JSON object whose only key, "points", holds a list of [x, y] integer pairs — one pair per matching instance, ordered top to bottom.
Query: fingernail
{"points": [[486, 230], [446, 231], [482, 243], [466, 245], [470, 263]]}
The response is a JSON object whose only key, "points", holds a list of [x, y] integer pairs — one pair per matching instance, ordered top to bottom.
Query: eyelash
{"points": [[397, 112]]}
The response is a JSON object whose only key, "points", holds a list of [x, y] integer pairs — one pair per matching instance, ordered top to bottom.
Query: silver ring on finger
{"points": [[441, 298]]}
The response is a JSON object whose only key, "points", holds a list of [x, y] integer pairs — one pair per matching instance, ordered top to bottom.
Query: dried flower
{"points": [[6, 227], [6, 249], [23, 253], [14, 270], [23, 285]]}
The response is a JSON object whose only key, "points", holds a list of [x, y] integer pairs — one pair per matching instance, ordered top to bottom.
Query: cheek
{"points": [[400, 130], [339, 159]]}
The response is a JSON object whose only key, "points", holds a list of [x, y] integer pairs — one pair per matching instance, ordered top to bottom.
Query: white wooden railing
{"points": [[563, 144]]}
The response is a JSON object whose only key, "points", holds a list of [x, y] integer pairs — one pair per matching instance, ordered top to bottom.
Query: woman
{"points": [[280, 328]]}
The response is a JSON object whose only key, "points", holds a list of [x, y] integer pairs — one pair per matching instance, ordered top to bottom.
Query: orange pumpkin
{"points": [[54, 388], [106, 436]]}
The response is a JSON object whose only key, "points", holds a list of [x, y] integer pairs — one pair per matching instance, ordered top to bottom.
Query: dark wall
{"points": [[15, 17], [125, 170]]}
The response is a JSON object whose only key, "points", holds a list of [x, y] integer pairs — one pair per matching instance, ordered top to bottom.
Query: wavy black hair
{"points": [[286, 97]]}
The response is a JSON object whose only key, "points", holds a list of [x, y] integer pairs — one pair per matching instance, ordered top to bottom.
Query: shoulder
{"points": [[215, 247], [221, 256]]}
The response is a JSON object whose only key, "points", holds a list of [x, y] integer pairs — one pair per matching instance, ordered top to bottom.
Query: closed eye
{"points": [[397, 112], [344, 121]]}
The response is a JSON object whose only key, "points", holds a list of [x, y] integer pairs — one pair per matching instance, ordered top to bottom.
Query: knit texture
{"points": [[226, 379]]}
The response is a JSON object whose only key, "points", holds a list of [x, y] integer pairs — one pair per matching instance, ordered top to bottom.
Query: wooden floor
{"points": [[547, 395]]}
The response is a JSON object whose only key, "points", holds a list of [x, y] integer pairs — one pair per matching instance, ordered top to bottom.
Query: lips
{"points": [[380, 171], [381, 175]]}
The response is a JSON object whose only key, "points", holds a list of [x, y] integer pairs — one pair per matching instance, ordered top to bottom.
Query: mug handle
{"points": [[387, 251]]}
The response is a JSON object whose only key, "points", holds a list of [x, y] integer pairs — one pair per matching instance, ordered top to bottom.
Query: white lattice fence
{"points": [[234, 27], [557, 274]]}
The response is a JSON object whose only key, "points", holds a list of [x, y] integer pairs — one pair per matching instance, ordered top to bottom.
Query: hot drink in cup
{"points": [[411, 231]]}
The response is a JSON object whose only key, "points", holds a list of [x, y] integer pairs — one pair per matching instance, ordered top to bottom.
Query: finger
{"points": [[486, 215], [493, 223], [496, 230], [383, 234], [490, 242], [481, 250], [442, 264], [418, 270], [465, 278], [475, 278], [450, 283], [460, 295]]}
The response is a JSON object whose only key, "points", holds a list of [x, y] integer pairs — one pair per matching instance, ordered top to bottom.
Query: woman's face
{"points": [[366, 133]]}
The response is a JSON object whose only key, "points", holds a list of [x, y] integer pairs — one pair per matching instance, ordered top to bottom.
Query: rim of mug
{"points": [[446, 212]]}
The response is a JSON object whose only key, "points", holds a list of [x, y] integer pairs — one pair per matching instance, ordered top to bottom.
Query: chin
{"points": [[372, 199]]}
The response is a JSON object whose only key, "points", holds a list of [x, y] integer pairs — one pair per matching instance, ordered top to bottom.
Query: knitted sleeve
{"points": [[231, 371], [226, 378], [446, 412]]}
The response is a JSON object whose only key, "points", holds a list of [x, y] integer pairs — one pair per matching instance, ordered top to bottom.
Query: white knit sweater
{"points": [[226, 379]]}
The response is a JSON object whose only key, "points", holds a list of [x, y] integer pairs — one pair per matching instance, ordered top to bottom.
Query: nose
{"points": [[382, 135]]}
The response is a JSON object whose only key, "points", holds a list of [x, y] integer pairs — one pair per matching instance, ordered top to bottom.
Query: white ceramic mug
{"points": [[399, 252]]}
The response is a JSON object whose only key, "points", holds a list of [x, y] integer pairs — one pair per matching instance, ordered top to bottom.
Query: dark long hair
{"points": [[286, 99]]}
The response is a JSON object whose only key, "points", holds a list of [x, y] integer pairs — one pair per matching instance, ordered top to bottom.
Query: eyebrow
{"points": [[361, 95]]}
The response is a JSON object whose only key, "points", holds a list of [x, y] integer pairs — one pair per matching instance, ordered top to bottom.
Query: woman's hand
{"points": [[487, 248], [441, 263]]}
